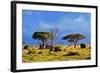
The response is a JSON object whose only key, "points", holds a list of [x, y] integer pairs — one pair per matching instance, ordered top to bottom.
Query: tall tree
{"points": [[54, 35], [42, 37], [73, 38]]}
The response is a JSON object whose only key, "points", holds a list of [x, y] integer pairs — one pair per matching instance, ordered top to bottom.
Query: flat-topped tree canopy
{"points": [[41, 36], [73, 38]]}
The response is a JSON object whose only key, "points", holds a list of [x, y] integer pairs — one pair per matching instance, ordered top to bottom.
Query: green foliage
{"points": [[41, 35], [73, 38], [82, 45], [26, 47]]}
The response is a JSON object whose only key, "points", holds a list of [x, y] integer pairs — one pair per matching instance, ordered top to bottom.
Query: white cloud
{"points": [[79, 19], [80, 22], [67, 24], [43, 26]]}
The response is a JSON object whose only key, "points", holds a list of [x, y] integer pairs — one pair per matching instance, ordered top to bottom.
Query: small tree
{"points": [[42, 37], [73, 38]]}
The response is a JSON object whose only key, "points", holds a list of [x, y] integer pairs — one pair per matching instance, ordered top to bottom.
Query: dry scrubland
{"points": [[64, 53]]}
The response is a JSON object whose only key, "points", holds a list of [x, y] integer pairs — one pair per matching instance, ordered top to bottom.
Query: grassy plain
{"points": [[66, 53]]}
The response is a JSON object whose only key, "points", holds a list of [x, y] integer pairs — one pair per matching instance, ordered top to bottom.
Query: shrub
{"points": [[82, 45], [26, 47], [57, 48], [40, 52], [72, 53], [88, 58]]}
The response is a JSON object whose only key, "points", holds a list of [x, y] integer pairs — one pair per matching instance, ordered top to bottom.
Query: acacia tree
{"points": [[42, 37], [74, 38], [71, 41]]}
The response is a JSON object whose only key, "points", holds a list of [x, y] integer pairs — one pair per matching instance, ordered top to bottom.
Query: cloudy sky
{"points": [[66, 22]]}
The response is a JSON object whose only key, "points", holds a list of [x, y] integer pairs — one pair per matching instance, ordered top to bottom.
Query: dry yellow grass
{"points": [[67, 53]]}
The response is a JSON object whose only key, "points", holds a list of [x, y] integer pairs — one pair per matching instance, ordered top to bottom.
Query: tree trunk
{"points": [[75, 44], [42, 45], [52, 46]]}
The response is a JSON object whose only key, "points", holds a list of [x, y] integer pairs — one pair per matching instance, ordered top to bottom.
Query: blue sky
{"points": [[66, 22]]}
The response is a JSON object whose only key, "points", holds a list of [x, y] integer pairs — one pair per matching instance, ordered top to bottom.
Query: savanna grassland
{"points": [[55, 36], [61, 53]]}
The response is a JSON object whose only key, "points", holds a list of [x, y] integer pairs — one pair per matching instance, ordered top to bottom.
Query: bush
{"points": [[82, 45], [26, 47], [57, 48], [40, 52], [72, 53], [88, 58]]}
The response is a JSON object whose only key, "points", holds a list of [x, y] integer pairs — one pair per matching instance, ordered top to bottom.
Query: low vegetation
{"points": [[48, 50], [61, 53]]}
